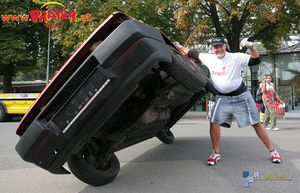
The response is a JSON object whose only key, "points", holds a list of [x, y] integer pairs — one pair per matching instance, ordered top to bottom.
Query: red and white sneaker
{"points": [[274, 156], [214, 158]]}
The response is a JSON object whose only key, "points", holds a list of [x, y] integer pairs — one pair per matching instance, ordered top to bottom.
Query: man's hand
{"points": [[177, 44], [246, 44]]}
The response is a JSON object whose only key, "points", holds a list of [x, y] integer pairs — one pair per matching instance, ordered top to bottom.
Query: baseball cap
{"points": [[218, 41]]}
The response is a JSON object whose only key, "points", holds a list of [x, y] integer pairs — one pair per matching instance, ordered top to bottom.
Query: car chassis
{"points": [[133, 86]]}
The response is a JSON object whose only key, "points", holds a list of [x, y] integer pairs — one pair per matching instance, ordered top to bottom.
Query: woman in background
{"points": [[269, 95], [262, 106]]}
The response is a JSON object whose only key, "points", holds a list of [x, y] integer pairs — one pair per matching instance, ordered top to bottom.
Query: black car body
{"points": [[134, 86]]}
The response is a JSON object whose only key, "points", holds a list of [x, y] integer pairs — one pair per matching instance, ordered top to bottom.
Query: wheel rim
{"points": [[92, 161]]}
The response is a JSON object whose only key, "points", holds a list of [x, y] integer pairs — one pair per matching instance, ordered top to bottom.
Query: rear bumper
{"points": [[92, 94]]}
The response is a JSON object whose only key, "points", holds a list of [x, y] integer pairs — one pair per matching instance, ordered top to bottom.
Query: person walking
{"points": [[234, 99], [269, 102], [261, 105]]}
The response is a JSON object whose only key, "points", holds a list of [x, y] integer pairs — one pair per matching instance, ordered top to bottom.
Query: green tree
{"points": [[158, 13], [268, 21], [23, 43], [13, 50]]}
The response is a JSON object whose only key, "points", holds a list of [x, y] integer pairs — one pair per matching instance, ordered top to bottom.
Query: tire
{"points": [[183, 71], [210, 87], [3, 115], [166, 137], [88, 173]]}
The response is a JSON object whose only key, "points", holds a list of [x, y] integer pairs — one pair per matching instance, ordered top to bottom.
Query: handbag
{"points": [[258, 98]]}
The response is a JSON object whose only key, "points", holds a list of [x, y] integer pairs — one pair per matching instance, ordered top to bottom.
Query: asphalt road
{"points": [[152, 166]]}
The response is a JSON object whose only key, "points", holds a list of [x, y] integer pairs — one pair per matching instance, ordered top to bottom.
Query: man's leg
{"points": [[262, 108], [262, 112], [266, 116], [273, 117], [215, 135], [263, 135]]}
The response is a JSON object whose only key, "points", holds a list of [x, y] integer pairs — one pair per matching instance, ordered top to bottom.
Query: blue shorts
{"points": [[242, 107]]}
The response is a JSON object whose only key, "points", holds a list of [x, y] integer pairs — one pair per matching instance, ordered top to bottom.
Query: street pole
{"points": [[47, 73]]}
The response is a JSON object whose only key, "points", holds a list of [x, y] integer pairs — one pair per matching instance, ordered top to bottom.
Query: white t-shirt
{"points": [[226, 72]]}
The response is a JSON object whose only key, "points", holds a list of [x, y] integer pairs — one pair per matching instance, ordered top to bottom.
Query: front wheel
{"points": [[167, 137], [88, 169]]}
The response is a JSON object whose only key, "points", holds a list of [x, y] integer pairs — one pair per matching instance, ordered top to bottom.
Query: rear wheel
{"points": [[184, 71], [3, 115], [167, 137], [88, 169]]}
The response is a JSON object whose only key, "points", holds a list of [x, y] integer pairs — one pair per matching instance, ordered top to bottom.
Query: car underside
{"points": [[132, 86]]}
